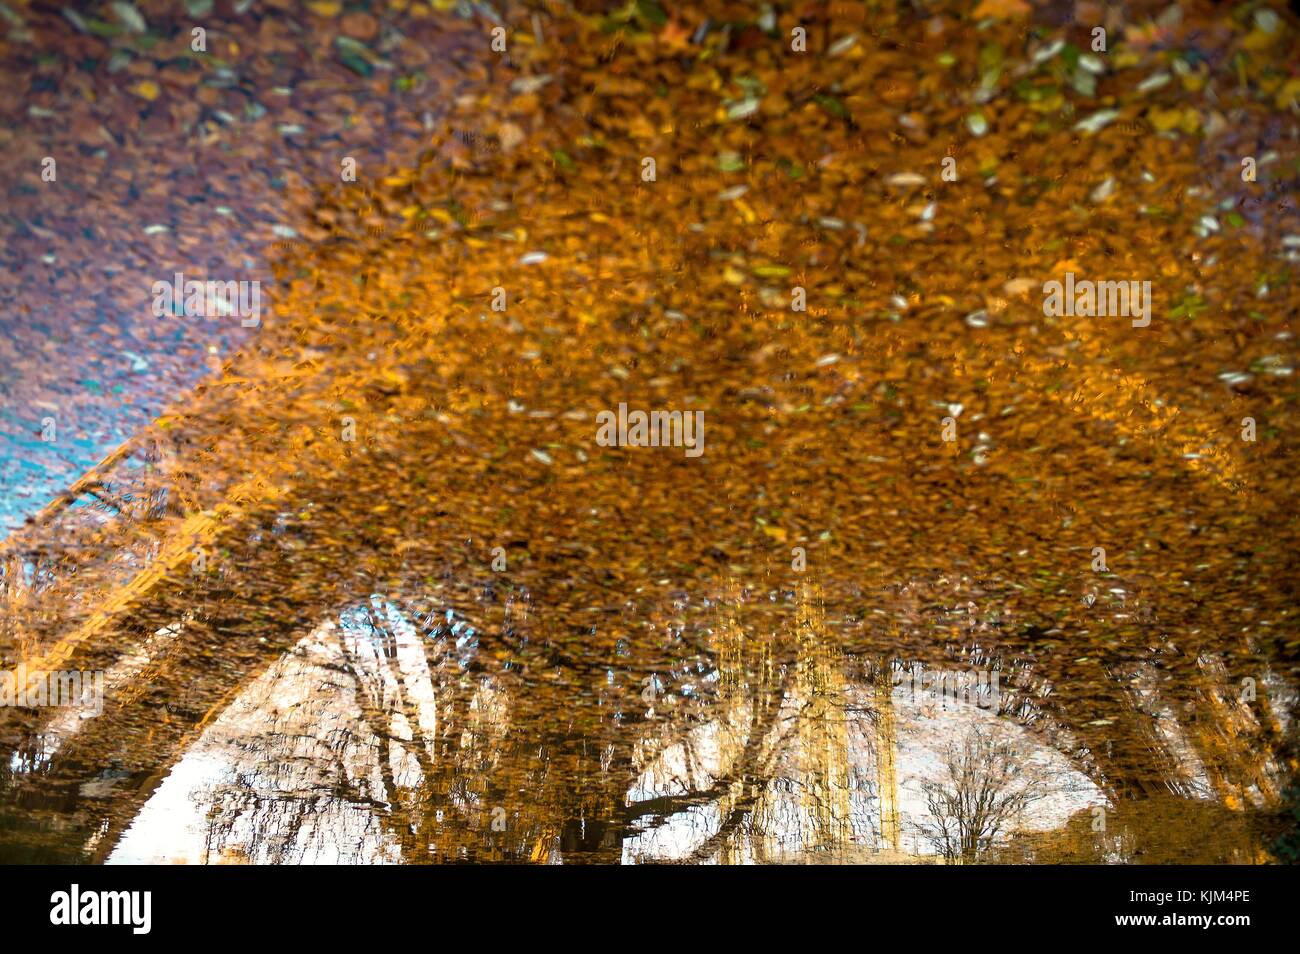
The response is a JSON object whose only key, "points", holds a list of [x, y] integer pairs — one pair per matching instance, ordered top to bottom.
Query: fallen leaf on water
{"points": [[1001, 9], [146, 89]]}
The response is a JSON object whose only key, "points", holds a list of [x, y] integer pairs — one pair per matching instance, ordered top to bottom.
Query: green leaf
{"points": [[651, 12], [103, 29], [990, 58], [356, 64], [831, 105], [730, 162]]}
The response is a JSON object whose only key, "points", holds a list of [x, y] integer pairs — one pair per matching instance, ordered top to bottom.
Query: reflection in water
{"points": [[650, 675], [396, 732], [379, 738]]}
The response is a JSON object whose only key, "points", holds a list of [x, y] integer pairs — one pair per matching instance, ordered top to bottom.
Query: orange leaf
{"points": [[1001, 9]]}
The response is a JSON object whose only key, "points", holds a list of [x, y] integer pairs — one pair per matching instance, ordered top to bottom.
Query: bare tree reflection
{"points": [[986, 789]]}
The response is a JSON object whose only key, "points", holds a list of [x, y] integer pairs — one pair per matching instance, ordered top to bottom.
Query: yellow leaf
{"points": [[325, 8], [1258, 40], [147, 89], [1288, 94], [1049, 104], [1162, 120], [640, 128]]}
